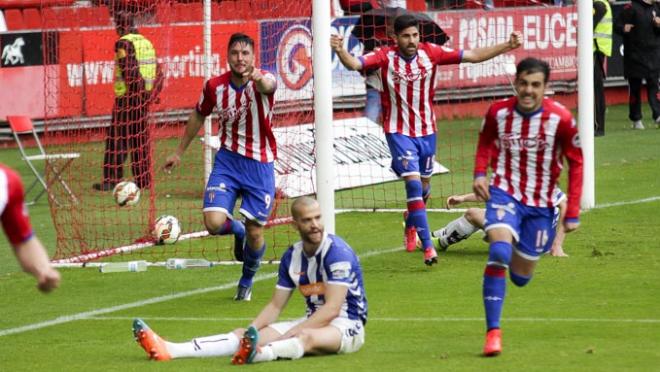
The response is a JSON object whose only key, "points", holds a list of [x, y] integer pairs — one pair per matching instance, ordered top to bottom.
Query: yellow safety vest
{"points": [[603, 31], [146, 58]]}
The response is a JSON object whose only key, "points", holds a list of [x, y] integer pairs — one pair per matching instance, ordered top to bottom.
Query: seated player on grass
{"points": [[327, 273]]}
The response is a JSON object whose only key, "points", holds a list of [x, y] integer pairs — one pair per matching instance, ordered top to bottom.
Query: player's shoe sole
{"points": [[430, 257], [150, 341], [493, 345], [247, 348]]}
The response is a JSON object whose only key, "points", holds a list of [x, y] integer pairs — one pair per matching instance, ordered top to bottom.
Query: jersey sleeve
{"points": [[441, 55], [375, 59], [207, 100], [568, 136], [487, 137], [15, 220], [339, 264], [284, 280]]}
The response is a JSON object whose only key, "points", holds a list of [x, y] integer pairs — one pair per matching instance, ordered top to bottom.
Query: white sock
{"points": [[464, 227], [211, 346], [291, 348]]}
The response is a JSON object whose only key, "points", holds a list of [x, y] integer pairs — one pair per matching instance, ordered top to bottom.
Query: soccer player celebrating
{"points": [[408, 73], [244, 98], [525, 139], [30, 253], [327, 273]]}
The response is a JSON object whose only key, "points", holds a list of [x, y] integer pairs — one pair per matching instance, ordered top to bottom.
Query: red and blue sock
{"points": [[417, 212], [494, 285]]}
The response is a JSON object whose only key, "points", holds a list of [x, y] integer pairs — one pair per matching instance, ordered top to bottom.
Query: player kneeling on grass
{"points": [[524, 139], [473, 220], [327, 273]]}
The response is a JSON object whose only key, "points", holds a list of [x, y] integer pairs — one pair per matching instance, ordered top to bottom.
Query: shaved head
{"points": [[302, 203]]}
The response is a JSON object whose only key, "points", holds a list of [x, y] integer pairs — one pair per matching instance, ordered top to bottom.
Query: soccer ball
{"points": [[126, 193], [166, 230]]}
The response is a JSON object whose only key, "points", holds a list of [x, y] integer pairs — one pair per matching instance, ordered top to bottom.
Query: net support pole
{"points": [[586, 101], [324, 136], [208, 154]]}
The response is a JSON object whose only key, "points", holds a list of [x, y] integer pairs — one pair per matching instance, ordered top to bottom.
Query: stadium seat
{"points": [[21, 4], [193, 12], [164, 14], [94, 16], [58, 18], [32, 19], [14, 20], [55, 164]]}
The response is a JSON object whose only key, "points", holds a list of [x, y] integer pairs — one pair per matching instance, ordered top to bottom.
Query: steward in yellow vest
{"points": [[137, 84]]}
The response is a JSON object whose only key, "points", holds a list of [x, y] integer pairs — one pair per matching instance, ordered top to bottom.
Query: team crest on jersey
{"points": [[294, 60], [576, 140], [405, 159], [211, 197]]}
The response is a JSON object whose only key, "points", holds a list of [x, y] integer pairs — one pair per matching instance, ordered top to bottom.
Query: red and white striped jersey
{"points": [[409, 85], [245, 116], [526, 153], [13, 212]]}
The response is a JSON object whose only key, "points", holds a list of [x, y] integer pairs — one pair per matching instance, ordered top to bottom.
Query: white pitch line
{"points": [[617, 204], [88, 314], [405, 319]]}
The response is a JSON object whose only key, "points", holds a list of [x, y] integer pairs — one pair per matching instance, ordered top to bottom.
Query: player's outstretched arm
{"points": [[486, 53], [346, 59], [264, 84], [195, 121], [456, 200], [557, 248], [32, 257], [272, 311]]}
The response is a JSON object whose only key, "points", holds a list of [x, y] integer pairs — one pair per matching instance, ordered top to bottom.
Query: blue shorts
{"points": [[411, 155], [235, 175], [533, 228]]}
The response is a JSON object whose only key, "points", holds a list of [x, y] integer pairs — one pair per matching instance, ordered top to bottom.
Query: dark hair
{"points": [[404, 21], [125, 22], [240, 38], [531, 65]]}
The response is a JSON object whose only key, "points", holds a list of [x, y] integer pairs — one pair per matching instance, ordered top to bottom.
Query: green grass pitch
{"points": [[597, 310]]}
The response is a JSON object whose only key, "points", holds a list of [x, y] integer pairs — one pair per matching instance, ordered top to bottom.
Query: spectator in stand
{"points": [[639, 23], [602, 47], [137, 84], [29, 251]]}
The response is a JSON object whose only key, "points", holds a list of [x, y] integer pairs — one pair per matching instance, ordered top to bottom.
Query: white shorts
{"points": [[352, 332]]}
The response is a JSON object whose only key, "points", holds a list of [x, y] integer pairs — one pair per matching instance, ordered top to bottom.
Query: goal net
{"points": [[80, 98]]}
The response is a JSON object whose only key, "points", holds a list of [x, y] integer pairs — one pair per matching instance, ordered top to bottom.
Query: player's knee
{"points": [[472, 216], [214, 223], [254, 235], [500, 252], [519, 280], [305, 336]]}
